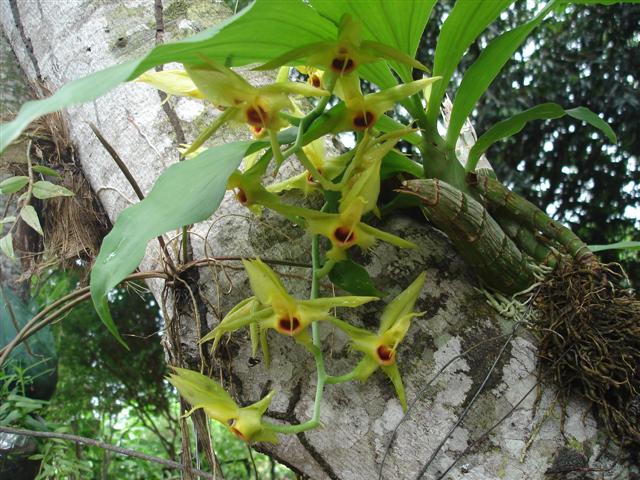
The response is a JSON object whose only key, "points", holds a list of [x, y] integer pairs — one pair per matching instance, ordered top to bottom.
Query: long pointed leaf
{"points": [[467, 20], [255, 35], [484, 70], [544, 111], [186, 193], [627, 245]]}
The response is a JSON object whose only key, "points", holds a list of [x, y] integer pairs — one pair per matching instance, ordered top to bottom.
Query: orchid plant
{"points": [[335, 45]]}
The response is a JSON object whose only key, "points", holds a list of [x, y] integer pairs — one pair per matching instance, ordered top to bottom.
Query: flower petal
{"points": [[173, 82], [386, 237], [267, 286], [349, 301], [403, 304], [394, 374], [202, 392]]}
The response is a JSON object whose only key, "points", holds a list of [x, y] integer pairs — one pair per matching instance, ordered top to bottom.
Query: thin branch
{"points": [[116, 158], [49, 314], [107, 446]]}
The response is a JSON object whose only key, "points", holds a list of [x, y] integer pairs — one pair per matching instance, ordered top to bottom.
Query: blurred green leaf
{"points": [[586, 115], [395, 162], [45, 170], [13, 184], [43, 190], [185, 193], [30, 217], [628, 245], [6, 246]]}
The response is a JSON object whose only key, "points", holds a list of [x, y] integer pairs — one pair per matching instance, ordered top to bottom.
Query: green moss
{"points": [[176, 9], [575, 444]]}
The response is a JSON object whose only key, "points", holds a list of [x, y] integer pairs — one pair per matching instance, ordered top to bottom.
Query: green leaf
{"points": [[599, 2], [467, 20], [397, 24], [255, 35], [484, 70], [586, 115], [513, 125], [394, 162], [45, 170], [13, 184], [43, 190], [185, 193], [30, 217], [628, 245], [6, 246], [353, 278]]}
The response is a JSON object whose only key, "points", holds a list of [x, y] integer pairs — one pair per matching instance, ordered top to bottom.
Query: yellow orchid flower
{"points": [[344, 55], [257, 106], [363, 111], [344, 229], [273, 308], [380, 349], [202, 392]]}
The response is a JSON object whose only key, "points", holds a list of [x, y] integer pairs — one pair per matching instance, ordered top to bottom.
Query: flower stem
{"points": [[316, 349], [347, 377]]}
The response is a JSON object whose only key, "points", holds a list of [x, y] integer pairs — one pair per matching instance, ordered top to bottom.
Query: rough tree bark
{"points": [[57, 42]]}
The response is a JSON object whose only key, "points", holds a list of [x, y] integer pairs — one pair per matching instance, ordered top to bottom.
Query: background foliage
{"points": [[578, 56]]}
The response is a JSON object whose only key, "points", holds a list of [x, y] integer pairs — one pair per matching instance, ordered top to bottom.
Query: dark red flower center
{"points": [[342, 64], [315, 80], [256, 116], [363, 120], [310, 177], [241, 196], [344, 235], [289, 325], [386, 354]]}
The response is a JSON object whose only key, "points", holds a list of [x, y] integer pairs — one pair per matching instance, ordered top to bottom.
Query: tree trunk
{"points": [[58, 42]]}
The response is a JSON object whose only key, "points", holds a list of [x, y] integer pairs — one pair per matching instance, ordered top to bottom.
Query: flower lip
{"points": [[342, 64], [315, 80], [256, 116], [363, 120], [310, 179], [242, 196], [344, 235], [289, 325], [386, 355], [239, 434]]}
